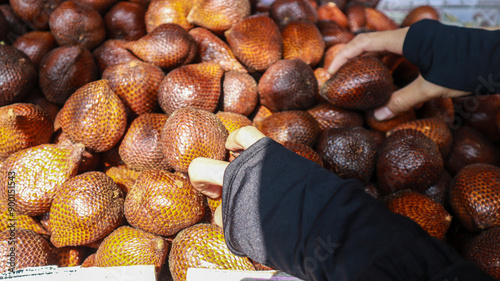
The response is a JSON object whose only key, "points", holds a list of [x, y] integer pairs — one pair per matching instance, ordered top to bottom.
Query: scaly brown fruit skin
{"points": [[340, 3], [369, 3], [99, 5], [172, 11], [286, 11], [331, 11], [35, 12], [355, 12], [420, 13], [218, 15], [125, 20], [378, 21], [14, 23], [73, 23], [4, 29], [334, 33], [302, 40], [256, 42], [35, 45], [168, 46], [213, 49], [112, 52], [64, 70], [17, 75], [362, 83], [137, 84], [195, 85], [288, 85], [239, 93], [37, 98], [439, 108], [261, 113], [480, 114], [94, 116], [329, 116], [233, 121], [23, 125], [387, 125], [293, 126], [434, 128], [190, 133], [378, 137], [141, 147], [470, 147], [304, 151], [349, 152], [112, 157], [90, 160], [408, 160], [36, 174], [123, 176], [438, 191], [475, 196], [163, 203], [213, 203], [85, 209], [430, 215], [22, 221], [45, 221], [94, 245], [129, 246], [203, 246], [31, 250], [484, 250], [71, 256], [89, 261]]}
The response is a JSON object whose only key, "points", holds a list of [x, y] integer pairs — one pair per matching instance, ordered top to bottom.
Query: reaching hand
{"points": [[383, 41], [415, 93], [207, 175]]}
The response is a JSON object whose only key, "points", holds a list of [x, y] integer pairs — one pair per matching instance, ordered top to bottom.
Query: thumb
{"points": [[403, 100], [218, 216]]}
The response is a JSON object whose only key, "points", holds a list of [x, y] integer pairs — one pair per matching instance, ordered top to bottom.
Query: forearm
{"points": [[459, 58], [285, 211]]}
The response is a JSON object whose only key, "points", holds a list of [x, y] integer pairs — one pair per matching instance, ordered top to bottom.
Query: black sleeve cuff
{"points": [[459, 58], [283, 210], [247, 212]]}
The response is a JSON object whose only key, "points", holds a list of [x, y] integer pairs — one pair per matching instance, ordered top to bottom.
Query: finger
{"points": [[390, 41], [351, 50], [414, 95], [402, 100], [243, 138], [206, 176], [218, 216]]}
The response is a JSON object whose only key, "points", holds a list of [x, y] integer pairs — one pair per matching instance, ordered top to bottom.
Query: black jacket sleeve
{"points": [[465, 59], [285, 211]]}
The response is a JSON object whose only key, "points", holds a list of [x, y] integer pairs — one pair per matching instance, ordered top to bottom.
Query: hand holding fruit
{"points": [[417, 92], [206, 175]]}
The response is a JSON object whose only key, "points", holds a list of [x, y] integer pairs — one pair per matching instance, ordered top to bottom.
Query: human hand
{"points": [[383, 41], [417, 92], [414, 94], [207, 175]]}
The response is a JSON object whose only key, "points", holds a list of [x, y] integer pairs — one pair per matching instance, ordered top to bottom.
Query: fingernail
{"points": [[383, 113]]}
